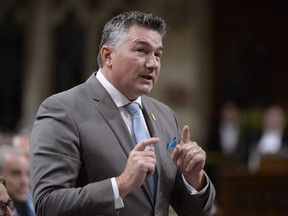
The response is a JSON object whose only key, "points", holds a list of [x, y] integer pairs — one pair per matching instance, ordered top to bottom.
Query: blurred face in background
{"points": [[230, 113], [274, 119], [16, 172]]}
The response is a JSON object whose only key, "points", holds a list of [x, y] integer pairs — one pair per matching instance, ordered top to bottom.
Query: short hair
{"points": [[116, 29], [7, 149]]}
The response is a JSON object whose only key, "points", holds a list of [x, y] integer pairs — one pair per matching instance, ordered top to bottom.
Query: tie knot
{"points": [[133, 108]]}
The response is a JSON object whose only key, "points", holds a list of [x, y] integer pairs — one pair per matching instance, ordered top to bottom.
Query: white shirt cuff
{"points": [[192, 190], [118, 200]]}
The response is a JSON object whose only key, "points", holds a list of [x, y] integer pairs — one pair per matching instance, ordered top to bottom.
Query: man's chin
{"points": [[146, 89]]}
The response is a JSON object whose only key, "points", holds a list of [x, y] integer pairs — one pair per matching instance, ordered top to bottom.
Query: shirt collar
{"points": [[119, 99]]}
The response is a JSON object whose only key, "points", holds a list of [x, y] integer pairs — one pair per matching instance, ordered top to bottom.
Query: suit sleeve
{"points": [[56, 164], [186, 204]]}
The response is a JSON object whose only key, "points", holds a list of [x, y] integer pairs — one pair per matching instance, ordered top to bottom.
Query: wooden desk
{"points": [[263, 193]]}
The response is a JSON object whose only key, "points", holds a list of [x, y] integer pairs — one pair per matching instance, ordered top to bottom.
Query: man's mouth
{"points": [[148, 77]]}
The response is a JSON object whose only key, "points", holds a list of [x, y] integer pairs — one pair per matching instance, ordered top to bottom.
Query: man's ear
{"points": [[106, 52]]}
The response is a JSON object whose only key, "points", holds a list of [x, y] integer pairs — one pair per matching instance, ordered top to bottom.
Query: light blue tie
{"points": [[139, 134]]}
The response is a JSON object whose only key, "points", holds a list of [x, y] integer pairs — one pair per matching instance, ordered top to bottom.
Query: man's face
{"points": [[135, 66], [16, 172], [4, 197]]}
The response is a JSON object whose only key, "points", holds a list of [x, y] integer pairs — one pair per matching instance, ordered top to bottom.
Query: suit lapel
{"points": [[110, 113], [116, 123], [154, 128], [155, 131]]}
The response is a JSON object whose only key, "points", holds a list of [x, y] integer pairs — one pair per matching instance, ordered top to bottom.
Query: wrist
{"points": [[197, 181], [123, 186]]}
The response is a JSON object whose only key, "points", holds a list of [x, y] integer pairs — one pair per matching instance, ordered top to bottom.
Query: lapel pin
{"points": [[153, 117]]}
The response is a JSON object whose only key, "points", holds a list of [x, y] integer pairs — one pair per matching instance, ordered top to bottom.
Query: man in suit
{"points": [[271, 139], [84, 158]]}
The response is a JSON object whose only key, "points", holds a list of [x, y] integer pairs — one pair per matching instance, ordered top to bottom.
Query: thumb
{"points": [[185, 135]]}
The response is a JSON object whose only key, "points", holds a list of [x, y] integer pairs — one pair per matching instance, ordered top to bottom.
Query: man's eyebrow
{"points": [[142, 42]]}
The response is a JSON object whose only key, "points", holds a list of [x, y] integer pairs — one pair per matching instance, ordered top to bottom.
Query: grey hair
{"points": [[116, 29], [7, 149]]}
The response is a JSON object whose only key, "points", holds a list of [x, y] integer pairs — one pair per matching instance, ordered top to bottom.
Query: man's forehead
{"points": [[145, 36]]}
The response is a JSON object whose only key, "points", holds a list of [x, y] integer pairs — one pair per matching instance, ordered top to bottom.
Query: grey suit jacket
{"points": [[79, 141]]}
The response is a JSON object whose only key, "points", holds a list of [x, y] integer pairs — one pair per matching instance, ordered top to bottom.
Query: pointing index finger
{"points": [[185, 135], [150, 141]]}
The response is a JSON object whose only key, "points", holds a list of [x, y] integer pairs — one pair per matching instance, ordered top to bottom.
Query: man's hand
{"points": [[190, 160], [140, 165]]}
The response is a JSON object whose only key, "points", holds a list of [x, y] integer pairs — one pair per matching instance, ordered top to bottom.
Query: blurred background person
{"points": [[227, 136], [271, 140], [225, 144], [15, 167], [6, 203]]}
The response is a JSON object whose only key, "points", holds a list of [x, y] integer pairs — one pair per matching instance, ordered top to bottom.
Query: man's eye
{"points": [[141, 50], [158, 55], [16, 174]]}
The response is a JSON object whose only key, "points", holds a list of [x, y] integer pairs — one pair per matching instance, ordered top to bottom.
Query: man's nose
{"points": [[152, 62]]}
